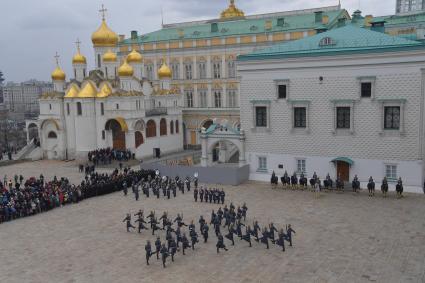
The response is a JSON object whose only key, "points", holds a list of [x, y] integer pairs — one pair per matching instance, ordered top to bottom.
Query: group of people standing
{"points": [[107, 155], [211, 195]]}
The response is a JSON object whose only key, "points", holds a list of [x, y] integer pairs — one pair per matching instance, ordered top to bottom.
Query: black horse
{"points": [[274, 180], [285, 180], [294, 181], [303, 182], [328, 183], [355, 184], [339, 185], [371, 187], [384, 187], [399, 188]]}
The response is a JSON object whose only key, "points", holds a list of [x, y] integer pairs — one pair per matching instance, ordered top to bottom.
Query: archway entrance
{"points": [[118, 129], [32, 132], [224, 152], [343, 167]]}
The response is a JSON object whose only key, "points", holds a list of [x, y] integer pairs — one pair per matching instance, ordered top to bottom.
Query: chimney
{"points": [[318, 16], [357, 16], [367, 20], [341, 22], [378, 26], [134, 34]]}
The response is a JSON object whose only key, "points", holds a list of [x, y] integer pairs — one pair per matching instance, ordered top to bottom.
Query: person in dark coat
{"points": [[127, 219], [205, 229], [289, 232], [220, 243], [157, 247], [148, 250], [164, 255]]}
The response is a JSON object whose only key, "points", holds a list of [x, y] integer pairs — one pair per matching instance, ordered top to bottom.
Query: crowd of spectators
{"points": [[107, 155]]}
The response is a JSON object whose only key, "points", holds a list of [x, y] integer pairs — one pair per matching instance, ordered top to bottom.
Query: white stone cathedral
{"points": [[113, 105]]}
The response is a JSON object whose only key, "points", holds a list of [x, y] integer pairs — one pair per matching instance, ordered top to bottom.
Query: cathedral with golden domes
{"points": [[110, 106]]}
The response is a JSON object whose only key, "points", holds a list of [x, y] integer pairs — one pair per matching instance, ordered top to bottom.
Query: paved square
{"points": [[339, 238]]}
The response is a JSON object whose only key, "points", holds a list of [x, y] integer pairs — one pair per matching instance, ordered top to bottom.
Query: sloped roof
{"points": [[237, 27], [346, 39]]}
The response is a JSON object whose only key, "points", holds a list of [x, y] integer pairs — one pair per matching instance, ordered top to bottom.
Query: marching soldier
{"points": [[195, 194], [201, 194], [222, 196], [127, 219], [141, 221], [201, 223], [272, 229], [204, 232], [289, 232], [230, 235], [247, 236], [265, 237], [193, 238], [281, 239], [185, 243], [220, 243], [157, 247], [172, 247], [148, 250], [164, 254]]}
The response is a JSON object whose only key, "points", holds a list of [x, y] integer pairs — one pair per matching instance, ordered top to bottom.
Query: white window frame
{"points": [[175, 67], [216, 69], [231, 69], [202, 70], [188, 74], [368, 79], [279, 82], [218, 93], [189, 98], [203, 98], [231, 98], [260, 103], [343, 103], [392, 103], [299, 104], [262, 160], [297, 160], [390, 178]]}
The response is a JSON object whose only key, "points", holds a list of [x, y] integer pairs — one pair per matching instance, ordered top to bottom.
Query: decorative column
{"points": [[242, 138], [130, 141], [204, 144]]}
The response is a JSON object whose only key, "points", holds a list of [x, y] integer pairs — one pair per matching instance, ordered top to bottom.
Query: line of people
{"points": [[209, 195]]}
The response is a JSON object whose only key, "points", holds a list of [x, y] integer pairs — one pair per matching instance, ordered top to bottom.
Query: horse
{"points": [[274, 180], [285, 181], [294, 181], [303, 182], [328, 183], [355, 184], [339, 185], [371, 188], [384, 188], [399, 189]]}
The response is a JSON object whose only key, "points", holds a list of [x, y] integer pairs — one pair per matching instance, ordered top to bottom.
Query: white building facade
{"points": [[345, 102]]}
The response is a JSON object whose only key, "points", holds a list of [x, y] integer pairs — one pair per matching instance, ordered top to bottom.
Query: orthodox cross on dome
{"points": [[103, 12], [78, 42], [57, 58]]}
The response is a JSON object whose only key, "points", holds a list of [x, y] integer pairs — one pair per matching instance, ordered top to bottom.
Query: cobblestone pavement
{"points": [[339, 238]]}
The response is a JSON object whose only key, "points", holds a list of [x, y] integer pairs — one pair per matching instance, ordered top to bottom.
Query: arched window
{"points": [[79, 109], [177, 126], [163, 127], [172, 127], [151, 129], [52, 135], [138, 136]]}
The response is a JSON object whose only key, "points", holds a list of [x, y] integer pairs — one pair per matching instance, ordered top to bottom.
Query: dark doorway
{"points": [[118, 135], [343, 170]]}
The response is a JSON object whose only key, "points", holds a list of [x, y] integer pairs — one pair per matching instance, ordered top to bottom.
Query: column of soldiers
{"points": [[295, 182], [159, 186], [212, 195], [230, 218]]}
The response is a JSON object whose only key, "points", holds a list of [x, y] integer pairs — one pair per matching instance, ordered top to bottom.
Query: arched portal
{"points": [[118, 128], [32, 132], [138, 136], [224, 151]]}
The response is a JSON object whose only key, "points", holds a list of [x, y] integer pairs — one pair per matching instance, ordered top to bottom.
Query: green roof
{"points": [[400, 20], [295, 22], [346, 39]]}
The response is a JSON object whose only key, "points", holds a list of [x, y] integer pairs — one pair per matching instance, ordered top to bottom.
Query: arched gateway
{"points": [[118, 127], [225, 135]]}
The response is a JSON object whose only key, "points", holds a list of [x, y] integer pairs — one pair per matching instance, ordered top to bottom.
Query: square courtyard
{"points": [[340, 237]]}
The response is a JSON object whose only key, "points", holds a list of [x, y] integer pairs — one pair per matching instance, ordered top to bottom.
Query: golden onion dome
{"points": [[232, 12], [104, 36], [109, 57], [134, 57], [79, 59], [125, 70], [164, 71], [58, 74], [72, 91], [88, 91], [105, 91]]}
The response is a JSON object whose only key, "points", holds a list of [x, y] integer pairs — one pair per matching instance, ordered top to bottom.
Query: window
{"points": [[280, 22], [214, 27], [327, 41], [98, 60], [175, 67], [202, 70], [216, 70], [231, 70], [149, 71], [188, 71], [75, 73], [366, 90], [281, 91], [231, 98], [189, 99], [217, 99], [203, 102], [50, 106], [117, 106], [79, 109], [102, 109], [68, 110], [261, 116], [300, 117], [343, 117], [392, 118], [177, 126], [163, 127], [172, 127], [150, 129], [52, 135], [103, 135], [138, 139], [262, 163], [301, 166], [391, 172]]}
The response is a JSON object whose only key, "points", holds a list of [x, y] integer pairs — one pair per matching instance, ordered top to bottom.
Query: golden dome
{"points": [[232, 12], [104, 36], [109, 57], [134, 57], [79, 59], [125, 70], [164, 71], [58, 74], [72, 91], [88, 91], [105, 91]]}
